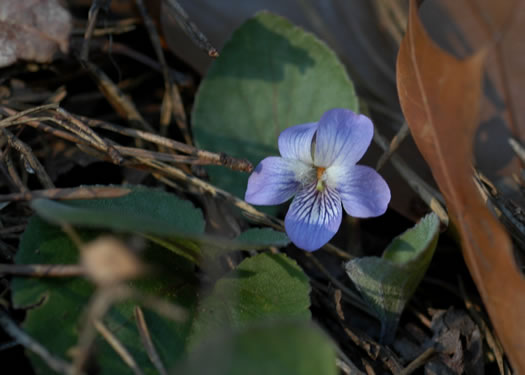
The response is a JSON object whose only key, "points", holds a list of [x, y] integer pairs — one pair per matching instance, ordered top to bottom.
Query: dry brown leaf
{"points": [[461, 27], [32, 30], [440, 98]]}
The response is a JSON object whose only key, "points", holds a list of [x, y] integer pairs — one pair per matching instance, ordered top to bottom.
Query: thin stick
{"points": [[92, 20], [386, 20], [110, 28], [190, 28], [115, 47], [383, 66], [116, 98], [171, 102], [8, 120], [36, 122], [396, 141], [518, 148], [113, 154], [161, 156], [29, 157], [214, 158], [15, 177], [83, 192], [431, 197], [250, 212], [43, 270], [357, 301], [100, 303], [12, 329], [492, 341], [147, 342], [115, 343], [373, 349], [418, 362]]}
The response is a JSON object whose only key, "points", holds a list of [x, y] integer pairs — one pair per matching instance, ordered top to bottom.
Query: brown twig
{"points": [[92, 20], [387, 21], [110, 28], [190, 29], [119, 48], [381, 65], [116, 98], [171, 102], [14, 116], [81, 128], [81, 136], [396, 141], [518, 148], [207, 156], [28, 157], [11, 170], [83, 192], [432, 198], [247, 209], [506, 210], [43, 270], [355, 299], [100, 303], [12, 329], [492, 340], [147, 342], [118, 347], [373, 349], [418, 362]]}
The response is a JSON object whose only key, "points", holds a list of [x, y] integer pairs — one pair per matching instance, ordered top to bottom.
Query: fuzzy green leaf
{"points": [[271, 75], [143, 210], [387, 283], [265, 286], [58, 305], [272, 347]]}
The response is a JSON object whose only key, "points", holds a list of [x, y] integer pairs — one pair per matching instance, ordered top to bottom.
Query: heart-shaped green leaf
{"points": [[271, 75], [143, 210], [161, 217], [387, 283], [265, 286], [59, 304], [287, 347]]}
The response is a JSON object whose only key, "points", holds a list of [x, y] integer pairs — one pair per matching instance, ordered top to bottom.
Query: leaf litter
{"points": [[133, 126]]}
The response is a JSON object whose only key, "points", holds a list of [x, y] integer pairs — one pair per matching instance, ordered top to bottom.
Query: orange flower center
{"points": [[320, 171], [320, 181]]}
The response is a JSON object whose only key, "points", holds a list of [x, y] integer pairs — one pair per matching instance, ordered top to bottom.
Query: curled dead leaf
{"points": [[32, 30], [440, 97]]}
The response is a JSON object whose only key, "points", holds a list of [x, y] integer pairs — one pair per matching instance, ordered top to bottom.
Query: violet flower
{"points": [[318, 166]]}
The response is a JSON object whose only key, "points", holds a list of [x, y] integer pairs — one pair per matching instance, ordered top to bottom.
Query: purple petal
{"points": [[342, 138], [296, 142], [273, 181], [363, 191], [313, 218]]}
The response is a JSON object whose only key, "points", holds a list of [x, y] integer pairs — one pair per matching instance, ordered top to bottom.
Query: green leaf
{"points": [[271, 75], [143, 210], [161, 217], [263, 237], [209, 247], [387, 283], [265, 286], [58, 304], [275, 347]]}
